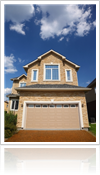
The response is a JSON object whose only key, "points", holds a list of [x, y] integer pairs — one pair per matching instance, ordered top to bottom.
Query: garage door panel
{"points": [[57, 117], [53, 166]]}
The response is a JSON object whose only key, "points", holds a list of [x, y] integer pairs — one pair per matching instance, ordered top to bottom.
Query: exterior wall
{"points": [[54, 59], [16, 84], [91, 95], [57, 96], [9, 105], [5, 106], [19, 168], [85, 168]]}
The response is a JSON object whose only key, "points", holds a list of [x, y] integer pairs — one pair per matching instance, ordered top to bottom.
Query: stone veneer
{"points": [[54, 59], [16, 84], [57, 96]]}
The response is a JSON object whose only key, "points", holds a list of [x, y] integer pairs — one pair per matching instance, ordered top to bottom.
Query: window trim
{"points": [[50, 65], [66, 75], [36, 76], [21, 82], [14, 105]]}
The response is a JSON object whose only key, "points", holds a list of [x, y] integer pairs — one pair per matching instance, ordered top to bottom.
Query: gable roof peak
{"points": [[40, 57]]}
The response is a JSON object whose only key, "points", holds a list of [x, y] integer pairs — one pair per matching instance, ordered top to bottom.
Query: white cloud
{"points": [[18, 14], [61, 20], [18, 28], [61, 38], [67, 39], [21, 61], [9, 64], [88, 82], [7, 90]]}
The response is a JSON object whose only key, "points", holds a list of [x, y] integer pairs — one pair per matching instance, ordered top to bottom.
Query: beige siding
{"points": [[54, 59], [16, 84], [57, 96]]}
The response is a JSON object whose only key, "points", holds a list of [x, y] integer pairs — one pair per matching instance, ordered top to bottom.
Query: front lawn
{"points": [[92, 128]]}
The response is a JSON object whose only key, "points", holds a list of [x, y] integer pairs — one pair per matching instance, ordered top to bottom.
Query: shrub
{"points": [[10, 124]]}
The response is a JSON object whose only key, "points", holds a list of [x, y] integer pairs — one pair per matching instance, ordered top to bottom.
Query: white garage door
{"points": [[47, 116], [52, 166]]}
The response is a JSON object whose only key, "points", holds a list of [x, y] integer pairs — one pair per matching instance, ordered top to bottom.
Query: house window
{"points": [[51, 72], [34, 75], [68, 75], [22, 84], [14, 105], [30, 106], [37, 106], [58, 106], [65, 106], [72, 106]]}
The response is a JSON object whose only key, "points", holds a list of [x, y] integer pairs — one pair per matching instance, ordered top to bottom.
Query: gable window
{"points": [[52, 72], [68, 73], [35, 75], [22, 84], [14, 104]]}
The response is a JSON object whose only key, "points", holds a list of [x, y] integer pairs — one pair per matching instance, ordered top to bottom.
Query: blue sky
{"points": [[31, 30]]}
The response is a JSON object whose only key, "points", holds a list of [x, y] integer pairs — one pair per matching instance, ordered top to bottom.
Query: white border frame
{"points": [[58, 64], [97, 68], [70, 74], [32, 76], [53, 103], [14, 105]]}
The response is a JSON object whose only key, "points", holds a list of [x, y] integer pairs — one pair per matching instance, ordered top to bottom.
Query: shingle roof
{"points": [[51, 86], [12, 95]]}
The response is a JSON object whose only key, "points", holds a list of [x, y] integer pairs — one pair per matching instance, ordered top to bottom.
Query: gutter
{"points": [[53, 89]]}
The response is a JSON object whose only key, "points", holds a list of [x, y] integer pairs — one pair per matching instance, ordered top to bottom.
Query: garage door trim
{"points": [[52, 102]]}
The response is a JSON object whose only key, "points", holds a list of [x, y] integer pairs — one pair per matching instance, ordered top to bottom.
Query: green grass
{"points": [[92, 128], [92, 161]]}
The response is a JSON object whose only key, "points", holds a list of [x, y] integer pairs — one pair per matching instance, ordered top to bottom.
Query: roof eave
{"points": [[53, 89]]}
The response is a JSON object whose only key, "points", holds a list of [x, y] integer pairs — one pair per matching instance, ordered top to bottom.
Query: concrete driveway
{"points": [[52, 136]]}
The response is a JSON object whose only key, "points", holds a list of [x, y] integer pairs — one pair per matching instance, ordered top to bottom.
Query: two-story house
{"points": [[49, 96]]}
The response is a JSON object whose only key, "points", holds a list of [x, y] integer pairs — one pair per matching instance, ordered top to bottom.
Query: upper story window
{"points": [[52, 73], [68, 73], [35, 75], [22, 84]]}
